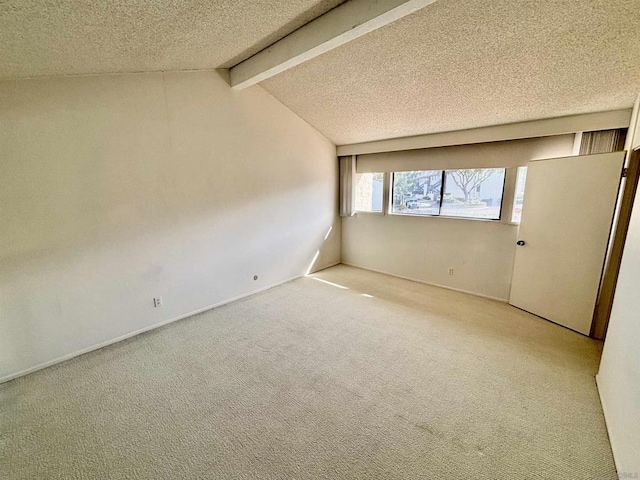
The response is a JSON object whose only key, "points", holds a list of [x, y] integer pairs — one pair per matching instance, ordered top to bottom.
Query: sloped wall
{"points": [[116, 189]]}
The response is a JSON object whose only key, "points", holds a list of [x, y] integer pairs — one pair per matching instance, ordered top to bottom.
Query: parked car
{"points": [[412, 203]]}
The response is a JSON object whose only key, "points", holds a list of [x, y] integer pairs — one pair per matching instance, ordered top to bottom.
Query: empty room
{"points": [[319, 239]]}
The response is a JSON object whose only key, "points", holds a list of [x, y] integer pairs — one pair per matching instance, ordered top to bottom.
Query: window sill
{"points": [[358, 212], [493, 220]]}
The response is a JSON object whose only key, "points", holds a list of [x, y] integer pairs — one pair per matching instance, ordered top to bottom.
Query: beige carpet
{"points": [[383, 379]]}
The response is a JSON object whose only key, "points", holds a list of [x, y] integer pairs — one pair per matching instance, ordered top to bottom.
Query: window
{"points": [[369, 192], [417, 193], [469, 193], [473, 193], [518, 199]]}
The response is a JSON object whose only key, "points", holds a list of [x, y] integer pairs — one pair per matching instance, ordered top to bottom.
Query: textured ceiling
{"points": [[70, 37], [455, 64], [460, 64]]}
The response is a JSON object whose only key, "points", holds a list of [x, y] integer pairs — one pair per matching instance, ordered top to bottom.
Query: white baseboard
{"points": [[324, 267], [503, 300], [204, 309], [77, 353], [604, 411]]}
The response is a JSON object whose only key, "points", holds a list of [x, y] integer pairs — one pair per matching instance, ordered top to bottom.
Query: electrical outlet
{"points": [[451, 271], [157, 302]]}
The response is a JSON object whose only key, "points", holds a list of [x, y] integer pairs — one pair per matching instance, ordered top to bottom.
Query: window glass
{"points": [[369, 192], [417, 193], [473, 193], [518, 200]]}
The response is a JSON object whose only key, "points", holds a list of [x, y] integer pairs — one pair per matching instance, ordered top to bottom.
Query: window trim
{"points": [[515, 193]]}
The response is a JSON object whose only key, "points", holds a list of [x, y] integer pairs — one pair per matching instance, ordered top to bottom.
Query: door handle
{"points": [[520, 243]]}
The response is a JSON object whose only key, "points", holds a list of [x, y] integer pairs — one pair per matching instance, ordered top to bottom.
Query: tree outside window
{"points": [[471, 193]]}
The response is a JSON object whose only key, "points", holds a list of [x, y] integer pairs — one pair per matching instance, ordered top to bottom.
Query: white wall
{"points": [[115, 189], [424, 248], [619, 376]]}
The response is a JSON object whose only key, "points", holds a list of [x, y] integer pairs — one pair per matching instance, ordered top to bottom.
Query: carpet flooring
{"points": [[342, 374]]}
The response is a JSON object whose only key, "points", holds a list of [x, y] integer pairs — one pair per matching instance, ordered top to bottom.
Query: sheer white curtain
{"points": [[347, 184]]}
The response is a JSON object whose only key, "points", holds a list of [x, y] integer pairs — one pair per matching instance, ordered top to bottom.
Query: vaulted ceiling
{"points": [[71, 37], [467, 63], [452, 65]]}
